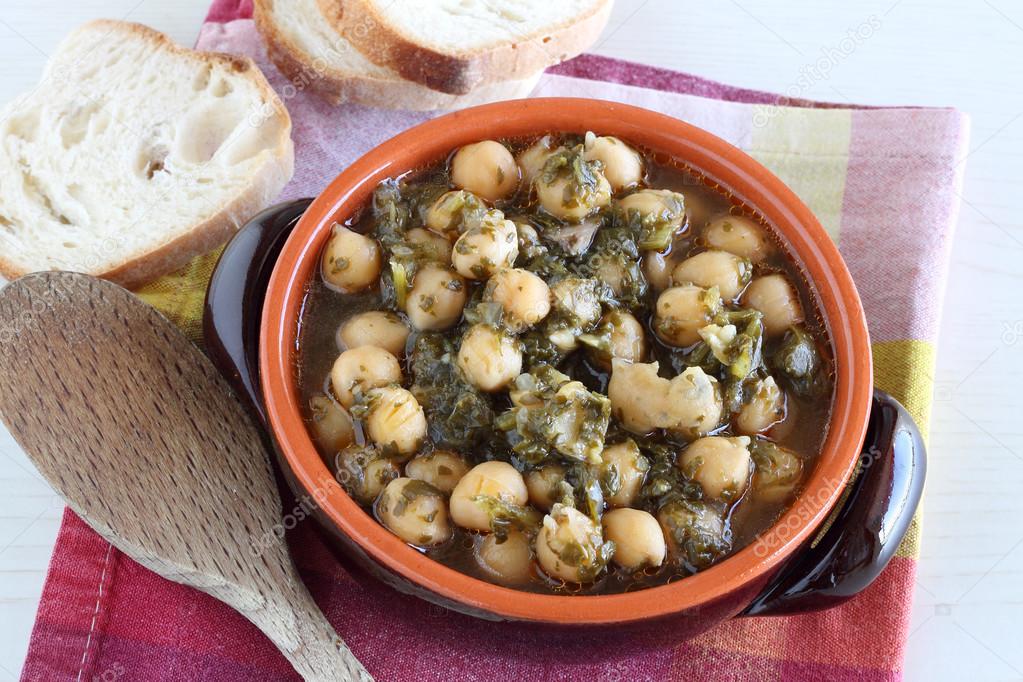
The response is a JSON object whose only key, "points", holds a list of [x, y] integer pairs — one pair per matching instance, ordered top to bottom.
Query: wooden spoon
{"points": [[139, 433]]}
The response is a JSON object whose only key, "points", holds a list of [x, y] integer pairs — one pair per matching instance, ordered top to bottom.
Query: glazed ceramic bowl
{"points": [[778, 572]]}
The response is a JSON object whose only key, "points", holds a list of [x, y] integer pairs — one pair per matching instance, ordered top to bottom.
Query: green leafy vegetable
{"points": [[571, 164], [654, 231], [614, 258], [400, 282], [577, 308], [739, 343], [538, 350], [797, 364], [552, 414], [459, 416], [363, 470], [778, 470], [664, 480], [412, 491], [587, 491], [506, 517], [696, 530], [582, 547]]}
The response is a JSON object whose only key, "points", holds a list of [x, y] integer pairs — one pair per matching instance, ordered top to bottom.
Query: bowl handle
{"points": [[234, 301], [867, 529]]}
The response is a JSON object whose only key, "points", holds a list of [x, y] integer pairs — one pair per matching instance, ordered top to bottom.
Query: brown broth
{"points": [[324, 310]]}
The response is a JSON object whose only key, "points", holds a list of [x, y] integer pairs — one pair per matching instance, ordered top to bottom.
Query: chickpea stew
{"points": [[564, 365]]}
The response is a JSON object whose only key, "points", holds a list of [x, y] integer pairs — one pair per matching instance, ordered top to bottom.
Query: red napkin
{"points": [[103, 617]]}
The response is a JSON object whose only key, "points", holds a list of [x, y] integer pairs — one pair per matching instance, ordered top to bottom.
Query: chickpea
{"points": [[531, 161], [623, 166], [486, 169], [561, 194], [660, 205], [698, 206], [451, 211], [660, 211], [738, 235], [529, 239], [575, 239], [430, 245], [486, 248], [351, 261], [657, 269], [726, 271], [617, 275], [524, 297], [437, 298], [577, 299], [777, 300], [682, 311], [375, 328], [626, 339], [719, 340], [489, 358], [360, 369], [639, 396], [689, 404], [698, 405], [765, 408], [395, 419], [332, 425], [783, 429], [721, 465], [627, 468], [442, 469], [363, 471], [777, 472], [494, 479], [544, 485], [415, 511], [695, 532], [638, 539], [568, 545], [510, 560]]}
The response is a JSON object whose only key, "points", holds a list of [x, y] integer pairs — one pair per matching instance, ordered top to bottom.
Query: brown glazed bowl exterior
{"points": [[703, 599]]}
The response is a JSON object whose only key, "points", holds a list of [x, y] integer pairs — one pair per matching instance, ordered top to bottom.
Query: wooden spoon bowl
{"points": [[144, 439]]}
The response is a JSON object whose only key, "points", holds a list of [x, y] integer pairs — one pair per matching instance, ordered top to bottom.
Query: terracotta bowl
{"points": [[779, 572]]}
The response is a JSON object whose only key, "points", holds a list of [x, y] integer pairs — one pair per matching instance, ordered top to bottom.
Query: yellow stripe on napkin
{"points": [[809, 150], [180, 295], [905, 369]]}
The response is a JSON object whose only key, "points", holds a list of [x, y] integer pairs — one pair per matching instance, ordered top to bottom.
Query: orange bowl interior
{"points": [[742, 176]]}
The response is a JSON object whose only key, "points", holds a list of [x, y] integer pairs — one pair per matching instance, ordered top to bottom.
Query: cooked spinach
{"points": [[797, 364], [459, 416], [555, 416]]}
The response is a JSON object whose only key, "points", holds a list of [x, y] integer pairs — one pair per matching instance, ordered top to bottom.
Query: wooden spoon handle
{"points": [[299, 629]]}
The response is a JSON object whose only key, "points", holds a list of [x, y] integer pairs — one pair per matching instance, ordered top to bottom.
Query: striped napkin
{"points": [[884, 182]]}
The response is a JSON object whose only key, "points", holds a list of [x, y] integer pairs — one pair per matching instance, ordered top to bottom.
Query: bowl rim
{"points": [[815, 251]]}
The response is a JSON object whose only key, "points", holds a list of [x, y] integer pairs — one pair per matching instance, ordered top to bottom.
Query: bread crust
{"points": [[384, 44], [337, 86], [212, 232], [141, 268]]}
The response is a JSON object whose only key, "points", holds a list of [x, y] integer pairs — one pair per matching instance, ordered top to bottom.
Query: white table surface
{"points": [[967, 619]]}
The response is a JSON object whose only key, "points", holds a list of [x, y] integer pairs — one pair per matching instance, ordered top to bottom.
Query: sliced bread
{"points": [[456, 45], [312, 54], [133, 155]]}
